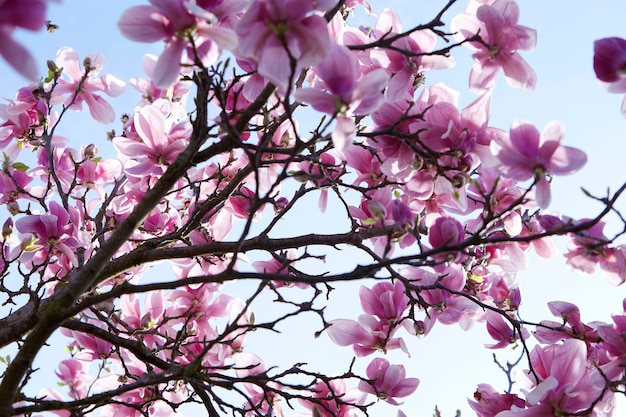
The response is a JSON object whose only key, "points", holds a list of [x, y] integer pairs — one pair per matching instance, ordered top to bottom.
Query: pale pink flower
{"points": [[176, 22], [496, 24], [282, 37], [404, 68], [82, 81], [342, 91], [153, 142], [527, 154], [446, 308], [365, 336], [73, 374], [258, 400]]}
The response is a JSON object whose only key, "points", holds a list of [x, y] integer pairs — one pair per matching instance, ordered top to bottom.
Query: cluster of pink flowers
{"points": [[463, 197]]}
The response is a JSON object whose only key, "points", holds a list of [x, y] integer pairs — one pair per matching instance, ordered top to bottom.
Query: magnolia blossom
{"points": [[176, 23], [496, 24], [283, 36], [609, 63], [403, 68], [82, 84], [342, 91], [525, 153], [388, 381], [567, 383]]}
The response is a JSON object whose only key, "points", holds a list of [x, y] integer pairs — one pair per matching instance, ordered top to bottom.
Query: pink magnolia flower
{"points": [[27, 14], [177, 22], [284, 36], [502, 37], [609, 64], [404, 68], [83, 81], [342, 91], [175, 93], [24, 117], [153, 142], [527, 154], [446, 231], [54, 234], [385, 300], [446, 308], [150, 321], [571, 326], [501, 331], [365, 336], [73, 373], [388, 381], [567, 384], [258, 400], [336, 400], [489, 402]]}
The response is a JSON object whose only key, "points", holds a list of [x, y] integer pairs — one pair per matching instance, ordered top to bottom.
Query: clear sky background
{"points": [[449, 362]]}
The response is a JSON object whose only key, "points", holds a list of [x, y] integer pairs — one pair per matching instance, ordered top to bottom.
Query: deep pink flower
{"points": [[496, 24], [609, 59], [609, 63], [527, 154], [446, 231], [54, 233], [385, 300], [500, 330], [388, 381], [567, 384]]}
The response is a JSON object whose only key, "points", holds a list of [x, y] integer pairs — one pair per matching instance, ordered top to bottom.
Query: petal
{"points": [[143, 24], [18, 57], [167, 69], [318, 99], [100, 109], [345, 332]]}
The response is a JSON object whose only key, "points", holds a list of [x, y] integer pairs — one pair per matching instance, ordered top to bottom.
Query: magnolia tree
{"points": [[253, 107]]}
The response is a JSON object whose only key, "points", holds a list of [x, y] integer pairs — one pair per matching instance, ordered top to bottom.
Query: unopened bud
{"points": [[87, 64], [52, 67], [91, 151], [280, 204], [13, 208], [377, 210], [7, 228]]}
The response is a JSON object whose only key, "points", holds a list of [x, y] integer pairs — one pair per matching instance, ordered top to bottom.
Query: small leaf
{"points": [[19, 166]]}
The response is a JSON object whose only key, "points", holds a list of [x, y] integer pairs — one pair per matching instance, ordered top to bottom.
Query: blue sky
{"points": [[448, 362]]}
